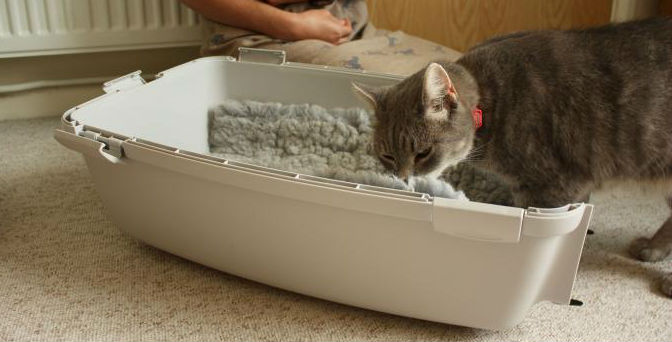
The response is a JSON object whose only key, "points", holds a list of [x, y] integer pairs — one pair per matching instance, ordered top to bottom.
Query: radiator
{"points": [[45, 27]]}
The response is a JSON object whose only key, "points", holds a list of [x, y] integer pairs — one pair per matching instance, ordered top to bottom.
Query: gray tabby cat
{"points": [[563, 112]]}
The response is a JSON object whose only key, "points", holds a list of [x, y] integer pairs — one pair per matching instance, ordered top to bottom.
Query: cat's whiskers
{"points": [[476, 153]]}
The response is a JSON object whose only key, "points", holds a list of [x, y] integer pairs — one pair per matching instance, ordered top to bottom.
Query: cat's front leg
{"points": [[656, 248], [666, 286]]}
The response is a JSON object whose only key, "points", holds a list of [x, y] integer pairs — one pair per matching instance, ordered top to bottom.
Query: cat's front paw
{"points": [[644, 250], [666, 285]]}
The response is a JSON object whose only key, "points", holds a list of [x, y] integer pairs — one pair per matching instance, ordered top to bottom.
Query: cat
{"points": [[553, 113]]}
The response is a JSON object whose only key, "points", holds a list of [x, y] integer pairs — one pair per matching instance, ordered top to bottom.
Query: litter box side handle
{"points": [[477, 221], [547, 222], [494, 223]]}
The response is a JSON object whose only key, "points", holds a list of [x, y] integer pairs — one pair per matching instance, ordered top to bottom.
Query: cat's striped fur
{"points": [[564, 112]]}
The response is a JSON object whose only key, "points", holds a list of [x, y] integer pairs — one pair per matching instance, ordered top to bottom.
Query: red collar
{"points": [[477, 114]]}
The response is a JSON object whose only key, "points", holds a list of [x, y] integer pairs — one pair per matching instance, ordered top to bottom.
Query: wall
{"points": [[666, 7], [455, 23], [462, 23], [41, 27], [62, 36], [54, 101]]}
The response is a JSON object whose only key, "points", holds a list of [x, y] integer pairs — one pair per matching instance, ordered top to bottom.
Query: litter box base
{"points": [[409, 254]]}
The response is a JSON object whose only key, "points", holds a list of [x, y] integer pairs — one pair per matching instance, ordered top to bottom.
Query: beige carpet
{"points": [[66, 273]]}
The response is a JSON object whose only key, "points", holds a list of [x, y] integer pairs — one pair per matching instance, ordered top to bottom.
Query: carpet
{"points": [[67, 273]]}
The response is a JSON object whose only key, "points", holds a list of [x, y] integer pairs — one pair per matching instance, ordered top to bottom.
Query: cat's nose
{"points": [[403, 175]]}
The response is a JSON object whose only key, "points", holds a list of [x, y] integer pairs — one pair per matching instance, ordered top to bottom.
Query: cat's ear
{"points": [[367, 93], [438, 93]]}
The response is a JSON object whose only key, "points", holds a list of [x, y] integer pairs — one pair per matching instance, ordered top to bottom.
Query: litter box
{"points": [[405, 253]]}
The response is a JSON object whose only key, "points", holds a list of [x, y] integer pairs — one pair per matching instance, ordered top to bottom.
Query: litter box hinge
{"points": [[265, 56], [125, 82], [112, 145]]}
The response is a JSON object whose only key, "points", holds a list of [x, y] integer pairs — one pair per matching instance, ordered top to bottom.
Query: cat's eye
{"points": [[437, 105], [423, 154], [388, 157]]}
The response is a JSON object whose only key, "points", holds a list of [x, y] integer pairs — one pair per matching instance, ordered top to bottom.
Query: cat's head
{"points": [[424, 123]]}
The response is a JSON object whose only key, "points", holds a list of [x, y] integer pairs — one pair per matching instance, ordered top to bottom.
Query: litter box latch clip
{"points": [[265, 56], [125, 82], [112, 145]]}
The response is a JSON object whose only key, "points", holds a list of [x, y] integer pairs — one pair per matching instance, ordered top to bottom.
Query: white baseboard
{"points": [[18, 99], [47, 102]]}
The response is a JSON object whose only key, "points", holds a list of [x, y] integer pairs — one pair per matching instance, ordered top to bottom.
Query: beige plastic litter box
{"points": [[405, 253]]}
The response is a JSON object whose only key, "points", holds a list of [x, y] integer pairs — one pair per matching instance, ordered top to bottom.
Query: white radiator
{"points": [[44, 27]]}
